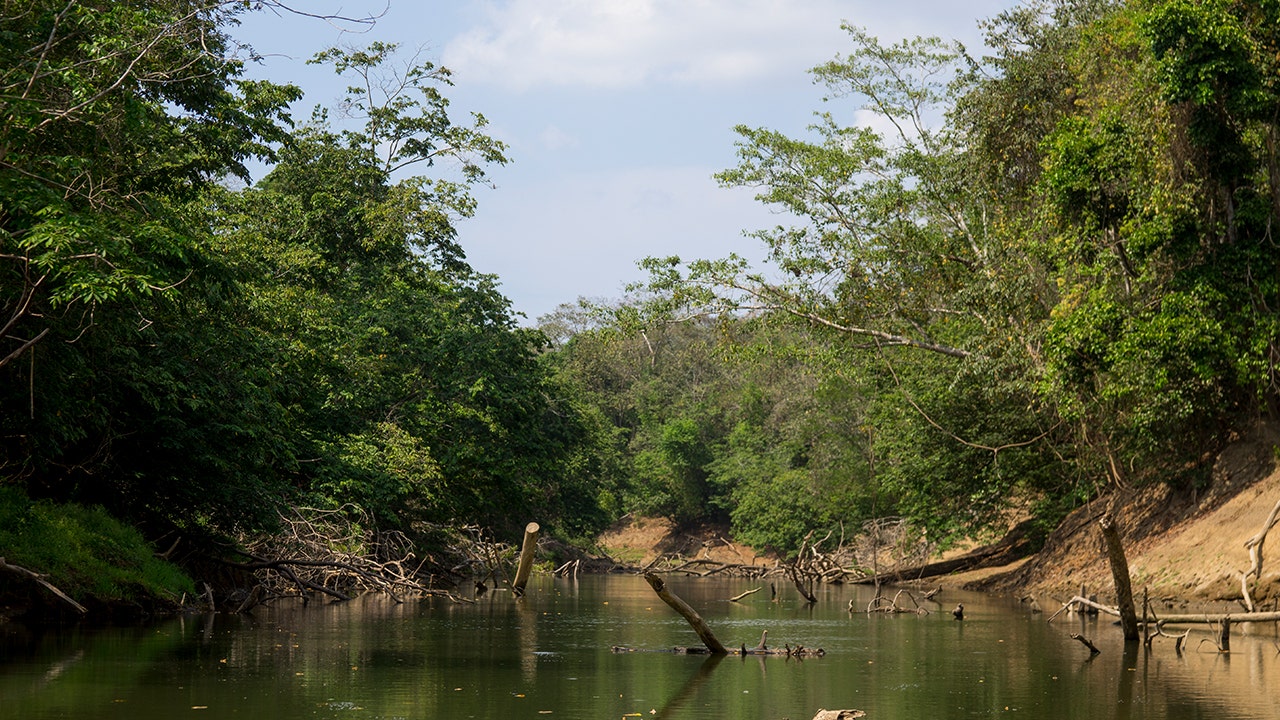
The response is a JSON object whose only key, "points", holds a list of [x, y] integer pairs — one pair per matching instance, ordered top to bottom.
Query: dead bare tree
{"points": [[1254, 546]]}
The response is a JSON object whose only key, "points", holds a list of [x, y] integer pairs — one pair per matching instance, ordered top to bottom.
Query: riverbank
{"points": [[1186, 547], [67, 560]]}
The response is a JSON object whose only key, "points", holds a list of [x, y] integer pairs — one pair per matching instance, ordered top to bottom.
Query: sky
{"points": [[617, 114]]}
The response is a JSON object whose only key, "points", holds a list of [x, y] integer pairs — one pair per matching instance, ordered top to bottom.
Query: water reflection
{"points": [[548, 654], [690, 689]]}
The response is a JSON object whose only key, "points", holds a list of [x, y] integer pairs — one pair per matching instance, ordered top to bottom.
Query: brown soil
{"points": [[639, 541], [1186, 548]]}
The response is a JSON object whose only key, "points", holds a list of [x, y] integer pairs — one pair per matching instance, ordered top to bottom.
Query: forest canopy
{"points": [[1051, 272], [1041, 273], [195, 355]]}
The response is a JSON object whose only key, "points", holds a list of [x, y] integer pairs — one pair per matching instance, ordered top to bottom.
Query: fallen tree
{"points": [[1015, 545], [335, 553], [706, 567], [690, 615], [711, 643]]}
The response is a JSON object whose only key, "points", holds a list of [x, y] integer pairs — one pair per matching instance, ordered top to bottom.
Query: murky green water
{"points": [[548, 656]]}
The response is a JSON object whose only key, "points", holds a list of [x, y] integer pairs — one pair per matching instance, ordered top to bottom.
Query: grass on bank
{"points": [[85, 552]]}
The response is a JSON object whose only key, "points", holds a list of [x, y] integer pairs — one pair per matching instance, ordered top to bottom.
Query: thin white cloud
{"points": [[623, 43], [612, 44], [555, 139]]}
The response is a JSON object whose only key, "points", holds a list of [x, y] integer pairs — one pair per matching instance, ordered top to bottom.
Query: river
{"points": [[549, 655]]}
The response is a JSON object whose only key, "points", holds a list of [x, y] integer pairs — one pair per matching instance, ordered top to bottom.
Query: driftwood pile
{"points": [[328, 552], [1149, 625]]}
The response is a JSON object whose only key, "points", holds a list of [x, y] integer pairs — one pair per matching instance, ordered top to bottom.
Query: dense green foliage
{"points": [[1052, 273], [195, 357], [746, 422]]}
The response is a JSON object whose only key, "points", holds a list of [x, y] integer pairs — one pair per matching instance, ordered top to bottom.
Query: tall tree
{"points": [[109, 111], [113, 117], [895, 254], [1062, 276], [417, 395]]}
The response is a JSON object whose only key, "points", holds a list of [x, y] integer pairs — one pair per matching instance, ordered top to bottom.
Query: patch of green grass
{"points": [[84, 551], [628, 555]]}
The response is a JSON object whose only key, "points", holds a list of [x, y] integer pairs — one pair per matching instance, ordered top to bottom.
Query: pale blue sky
{"points": [[617, 112]]}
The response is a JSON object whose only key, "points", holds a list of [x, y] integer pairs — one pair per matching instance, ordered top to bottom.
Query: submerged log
{"points": [[1215, 618], [1185, 619], [713, 645], [1093, 649], [798, 652]]}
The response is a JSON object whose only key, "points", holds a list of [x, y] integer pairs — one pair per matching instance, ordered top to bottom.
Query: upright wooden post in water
{"points": [[526, 558], [1120, 574], [689, 614]]}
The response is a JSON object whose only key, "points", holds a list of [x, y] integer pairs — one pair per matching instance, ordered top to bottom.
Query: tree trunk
{"points": [[526, 558], [1120, 574], [39, 579], [689, 614]]}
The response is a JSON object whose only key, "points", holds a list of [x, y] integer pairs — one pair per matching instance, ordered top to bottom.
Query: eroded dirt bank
{"points": [[1187, 548]]}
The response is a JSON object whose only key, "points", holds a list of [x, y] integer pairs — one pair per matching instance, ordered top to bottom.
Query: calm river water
{"points": [[549, 655]]}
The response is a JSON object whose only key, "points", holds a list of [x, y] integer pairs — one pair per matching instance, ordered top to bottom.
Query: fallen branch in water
{"points": [[706, 567], [1080, 600], [883, 605], [690, 615], [1214, 618], [1197, 619], [1179, 640], [713, 645], [1093, 650]]}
